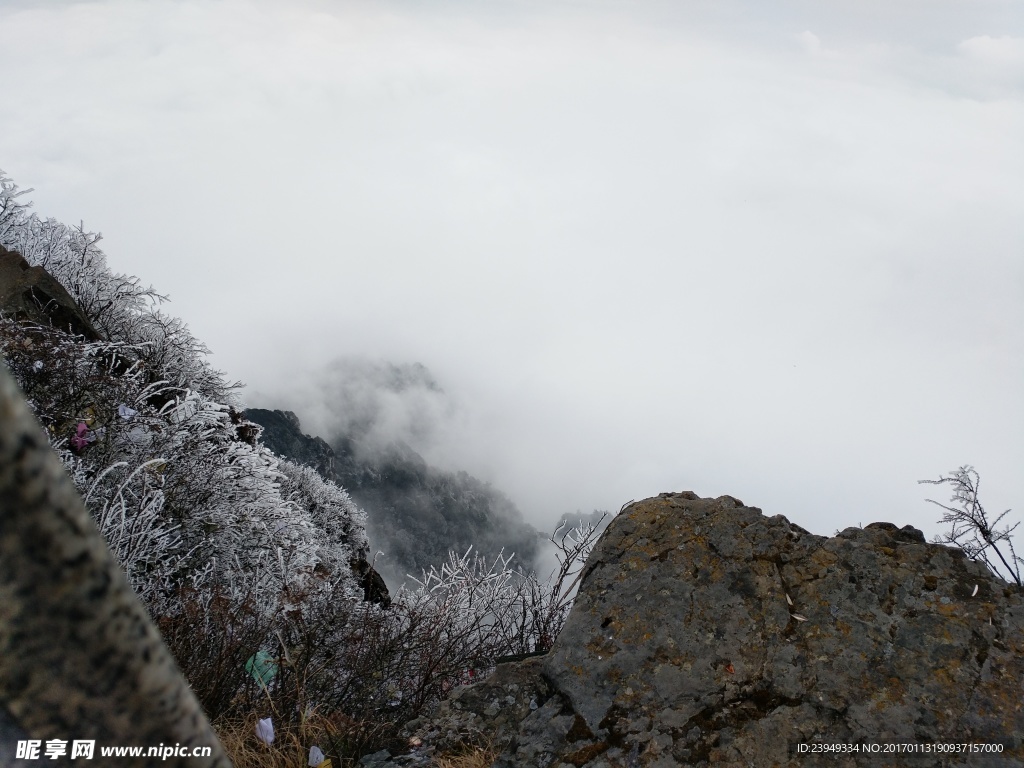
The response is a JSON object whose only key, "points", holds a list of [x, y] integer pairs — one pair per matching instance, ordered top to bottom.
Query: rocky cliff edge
{"points": [[706, 633]]}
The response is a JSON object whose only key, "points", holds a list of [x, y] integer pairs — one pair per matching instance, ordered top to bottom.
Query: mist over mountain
{"points": [[373, 404], [416, 513], [253, 566]]}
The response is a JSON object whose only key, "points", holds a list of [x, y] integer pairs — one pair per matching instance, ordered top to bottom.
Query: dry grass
{"points": [[289, 750], [474, 757]]}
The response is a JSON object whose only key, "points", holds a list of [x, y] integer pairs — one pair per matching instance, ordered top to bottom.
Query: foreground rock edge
{"points": [[79, 656]]}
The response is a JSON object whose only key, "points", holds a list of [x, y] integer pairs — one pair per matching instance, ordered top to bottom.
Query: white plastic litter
{"points": [[37, 365], [125, 412], [265, 731], [315, 756]]}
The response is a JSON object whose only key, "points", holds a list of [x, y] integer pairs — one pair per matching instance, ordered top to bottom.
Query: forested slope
{"points": [[416, 513], [254, 567]]}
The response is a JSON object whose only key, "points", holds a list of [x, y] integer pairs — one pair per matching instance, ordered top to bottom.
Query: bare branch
{"points": [[970, 529]]}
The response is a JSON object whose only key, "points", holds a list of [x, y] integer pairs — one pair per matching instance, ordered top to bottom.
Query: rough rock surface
{"points": [[31, 293], [706, 633], [80, 657]]}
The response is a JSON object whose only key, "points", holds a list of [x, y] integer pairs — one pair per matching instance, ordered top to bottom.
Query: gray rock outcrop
{"points": [[31, 293], [706, 633], [80, 657]]}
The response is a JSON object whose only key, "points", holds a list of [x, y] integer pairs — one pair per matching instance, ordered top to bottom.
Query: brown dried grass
{"points": [[290, 748], [472, 757]]}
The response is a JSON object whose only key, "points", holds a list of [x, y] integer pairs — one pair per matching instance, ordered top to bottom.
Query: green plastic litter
{"points": [[262, 667]]}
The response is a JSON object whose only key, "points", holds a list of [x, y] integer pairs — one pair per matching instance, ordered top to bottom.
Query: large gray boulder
{"points": [[706, 633], [80, 658]]}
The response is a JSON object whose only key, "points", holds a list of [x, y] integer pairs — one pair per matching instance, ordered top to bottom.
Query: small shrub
{"points": [[970, 529], [359, 670]]}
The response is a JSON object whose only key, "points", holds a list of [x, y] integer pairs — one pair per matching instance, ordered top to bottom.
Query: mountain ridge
{"points": [[417, 512]]}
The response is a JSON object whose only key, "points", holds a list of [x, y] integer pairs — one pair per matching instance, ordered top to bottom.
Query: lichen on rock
{"points": [[706, 633]]}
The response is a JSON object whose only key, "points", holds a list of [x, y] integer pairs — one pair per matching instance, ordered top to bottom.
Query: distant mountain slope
{"points": [[282, 434], [416, 513]]}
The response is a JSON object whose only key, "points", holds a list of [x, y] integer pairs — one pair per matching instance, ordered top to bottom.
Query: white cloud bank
{"points": [[641, 247]]}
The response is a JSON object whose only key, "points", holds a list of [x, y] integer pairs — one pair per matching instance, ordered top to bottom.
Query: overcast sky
{"points": [[774, 250]]}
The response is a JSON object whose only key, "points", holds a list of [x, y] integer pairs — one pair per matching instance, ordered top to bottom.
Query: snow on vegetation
{"points": [[247, 562]]}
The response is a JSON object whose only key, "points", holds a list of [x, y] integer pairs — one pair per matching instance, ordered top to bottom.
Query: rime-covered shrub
{"points": [[118, 305], [154, 440], [339, 523], [234, 550]]}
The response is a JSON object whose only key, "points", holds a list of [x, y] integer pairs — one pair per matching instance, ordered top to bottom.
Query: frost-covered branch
{"points": [[970, 528]]}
